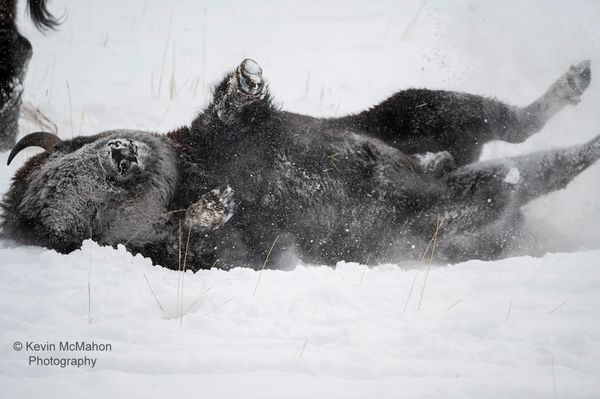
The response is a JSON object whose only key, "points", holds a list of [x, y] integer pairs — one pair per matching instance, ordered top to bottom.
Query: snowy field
{"points": [[524, 327]]}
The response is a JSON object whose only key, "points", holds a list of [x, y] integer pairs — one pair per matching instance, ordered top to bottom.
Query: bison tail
{"points": [[41, 17]]}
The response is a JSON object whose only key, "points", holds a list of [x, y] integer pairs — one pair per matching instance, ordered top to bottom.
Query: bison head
{"points": [[113, 187]]}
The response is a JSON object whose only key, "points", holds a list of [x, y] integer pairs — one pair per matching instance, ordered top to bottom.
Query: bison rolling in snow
{"points": [[247, 181]]}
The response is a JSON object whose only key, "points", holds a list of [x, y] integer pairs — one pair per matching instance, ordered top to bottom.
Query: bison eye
{"points": [[123, 154]]}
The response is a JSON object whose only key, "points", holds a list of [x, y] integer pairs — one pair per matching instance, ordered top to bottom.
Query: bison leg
{"points": [[16, 52], [567, 89], [237, 91], [419, 120], [521, 179], [481, 210], [211, 211], [194, 246]]}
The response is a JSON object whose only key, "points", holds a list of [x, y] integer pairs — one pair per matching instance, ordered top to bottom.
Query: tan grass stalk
{"points": [[413, 21], [164, 60], [70, 108], [433, 243], [187, 245], [264, 264], [411, 291], [155, 297], [454, 304], [220, 306], [559, 306], [509, 309]]}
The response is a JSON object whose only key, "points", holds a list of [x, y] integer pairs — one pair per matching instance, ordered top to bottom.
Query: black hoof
{"points": [[250, 77]]}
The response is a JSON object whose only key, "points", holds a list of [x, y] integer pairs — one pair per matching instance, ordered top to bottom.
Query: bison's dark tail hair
{"points": [[41, 17]]}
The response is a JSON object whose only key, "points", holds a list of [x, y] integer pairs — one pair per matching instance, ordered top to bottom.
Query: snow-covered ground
{"points": [[521, 327]]}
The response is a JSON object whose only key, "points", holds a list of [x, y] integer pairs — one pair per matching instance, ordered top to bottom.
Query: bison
{"points": [[16, 52], [247, 184]]}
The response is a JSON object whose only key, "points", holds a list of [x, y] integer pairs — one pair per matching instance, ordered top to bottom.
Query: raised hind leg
{"points": [[566, 90], [420, 120], [523, 178], [481, 208]]}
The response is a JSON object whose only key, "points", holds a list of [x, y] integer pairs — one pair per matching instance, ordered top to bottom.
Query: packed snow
{"points": [[522, 327]]}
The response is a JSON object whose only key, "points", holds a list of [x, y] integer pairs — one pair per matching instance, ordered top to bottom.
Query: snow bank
{"points": [[520, 328], [503, 329]]}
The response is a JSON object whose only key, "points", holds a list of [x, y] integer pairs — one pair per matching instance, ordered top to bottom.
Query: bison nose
{"points": [[123, 154]]}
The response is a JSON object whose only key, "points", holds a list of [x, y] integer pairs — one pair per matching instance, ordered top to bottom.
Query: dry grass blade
{"points": [[413, 21], [164, 60], [172, 84], [49, 90], [70, 108], [162, 118], [81, 121], [432, 243], [187, 245], [179, 264], [264, 264], [90, 284], [205, 291], [411, 291], [155, 297], [198, 299], [454, 304], [220, 306], [559, 306], [303, 349]]}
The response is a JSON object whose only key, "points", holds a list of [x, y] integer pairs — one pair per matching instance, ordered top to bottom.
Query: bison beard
{"points": [[247, 178]]}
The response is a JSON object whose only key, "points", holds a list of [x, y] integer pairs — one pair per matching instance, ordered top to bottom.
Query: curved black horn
{"points": [[38, 139]]}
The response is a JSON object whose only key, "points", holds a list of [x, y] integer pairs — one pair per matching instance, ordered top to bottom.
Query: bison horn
{"points": [[38, 139]]}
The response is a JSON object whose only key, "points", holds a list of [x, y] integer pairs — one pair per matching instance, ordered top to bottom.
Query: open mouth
{"points": [[123, 154]]}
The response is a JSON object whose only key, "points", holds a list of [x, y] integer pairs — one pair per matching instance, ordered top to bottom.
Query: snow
{"points": [[426, 158], [513, 176], [522, 327], [495, 328]]}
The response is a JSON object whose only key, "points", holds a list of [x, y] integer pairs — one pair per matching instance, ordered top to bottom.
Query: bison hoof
{"points": [[250, 79], [571, 85], [124, 156], [212, 210]]}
